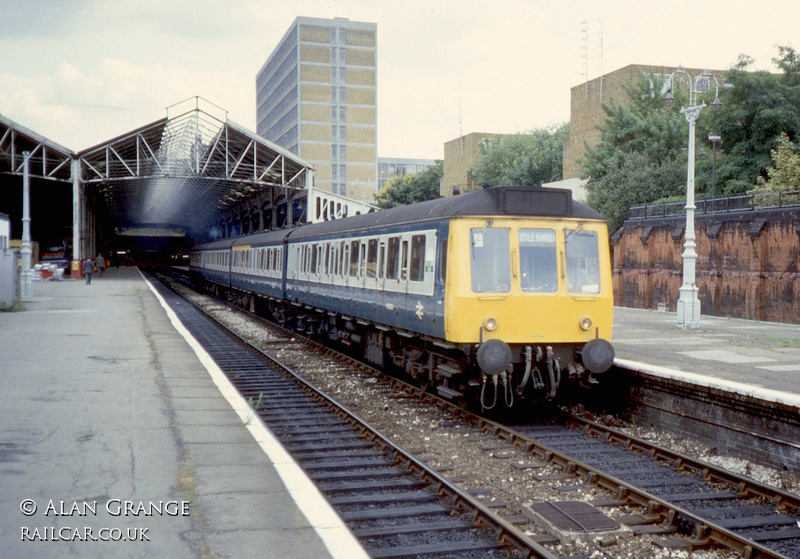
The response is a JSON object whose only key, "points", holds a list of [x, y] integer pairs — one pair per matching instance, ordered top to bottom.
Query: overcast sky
{"points": [[83, 71]]}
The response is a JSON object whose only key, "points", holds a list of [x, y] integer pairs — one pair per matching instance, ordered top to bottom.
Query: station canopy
{"points": [[47, 159], [179, 173], [174, 176]]}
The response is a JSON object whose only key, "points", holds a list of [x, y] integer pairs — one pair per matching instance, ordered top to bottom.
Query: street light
{"points": [[713, 138], [26, 274], [688, 303]]}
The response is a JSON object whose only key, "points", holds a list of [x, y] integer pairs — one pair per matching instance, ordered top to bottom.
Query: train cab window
{"points": [[417, 257], [354, 258], [372, 258], [393, 258], [490, 260], [537, 261], [583, 261]]}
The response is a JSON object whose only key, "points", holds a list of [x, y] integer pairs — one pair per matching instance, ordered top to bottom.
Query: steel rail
{"points": [[746, 486]]}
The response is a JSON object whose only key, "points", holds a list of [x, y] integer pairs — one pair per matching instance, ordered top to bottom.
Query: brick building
{"points": [[586, 108], [460, 155]]}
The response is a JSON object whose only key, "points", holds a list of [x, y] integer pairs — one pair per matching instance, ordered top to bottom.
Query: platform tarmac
{"points": [[746, 356], [115, 441]]}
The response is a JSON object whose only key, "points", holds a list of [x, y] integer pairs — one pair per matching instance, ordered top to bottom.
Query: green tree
{"points": [[757, 108], [642, 153], [640, 157], [529, 158], [784, 175], [408, 189]]}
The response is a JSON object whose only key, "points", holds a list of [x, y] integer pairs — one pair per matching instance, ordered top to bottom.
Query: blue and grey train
{"points": [[498, 295]]}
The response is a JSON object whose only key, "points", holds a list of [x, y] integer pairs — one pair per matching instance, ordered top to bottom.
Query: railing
{"points": [[725, 204]]}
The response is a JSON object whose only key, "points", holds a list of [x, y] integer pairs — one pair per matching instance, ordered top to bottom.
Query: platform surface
{"points": [[761, 358], [115, 441]]}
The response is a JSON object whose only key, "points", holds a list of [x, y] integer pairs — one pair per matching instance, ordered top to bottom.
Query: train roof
{"points": [[523, 201]]}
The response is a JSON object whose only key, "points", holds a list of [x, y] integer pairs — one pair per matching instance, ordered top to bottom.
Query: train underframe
{"points": [[535, 373]]}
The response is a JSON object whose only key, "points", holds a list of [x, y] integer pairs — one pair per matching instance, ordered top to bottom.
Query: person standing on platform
{"points": [[100, 262], [88, 270]]}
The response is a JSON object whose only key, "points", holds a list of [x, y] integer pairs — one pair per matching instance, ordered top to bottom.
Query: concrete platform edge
{"points": [[703, 380]]}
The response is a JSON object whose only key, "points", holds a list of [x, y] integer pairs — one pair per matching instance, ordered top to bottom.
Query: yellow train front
{"points": [[532, 298]]}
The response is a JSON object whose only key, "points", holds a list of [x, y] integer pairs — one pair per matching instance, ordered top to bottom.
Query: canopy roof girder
{"points": [[46, 159], [187, 169]]}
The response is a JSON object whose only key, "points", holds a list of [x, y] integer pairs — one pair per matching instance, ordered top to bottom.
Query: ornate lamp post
{"points": [[688, 303]]}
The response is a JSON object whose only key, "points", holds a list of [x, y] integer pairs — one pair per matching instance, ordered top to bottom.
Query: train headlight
{"points": [[585, 323], [490, 324]]}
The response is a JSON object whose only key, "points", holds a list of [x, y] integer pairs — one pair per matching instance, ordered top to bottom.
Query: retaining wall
{"points": [[747, 264]]}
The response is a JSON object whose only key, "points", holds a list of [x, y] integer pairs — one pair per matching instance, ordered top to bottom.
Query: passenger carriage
{"points": [[504, 291]]}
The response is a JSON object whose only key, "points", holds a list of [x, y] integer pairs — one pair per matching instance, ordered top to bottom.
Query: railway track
{"points": [[672, 499], [708, 504], [396, 505]]}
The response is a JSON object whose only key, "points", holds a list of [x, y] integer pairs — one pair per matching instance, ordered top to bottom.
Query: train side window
{"points": [[372, 257], [417, 257], [314, 258], [353, 258], [393, 258], [301, 259], [327, 259], [490, 259], [381, 260], [443, 260], [404, 261], [537, 261], [363, 267]]}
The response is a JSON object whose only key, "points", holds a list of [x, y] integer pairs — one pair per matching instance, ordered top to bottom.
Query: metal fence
{"points": [[724, 204]]}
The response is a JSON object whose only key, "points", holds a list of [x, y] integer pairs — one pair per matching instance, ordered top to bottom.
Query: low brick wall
{"points": [[748, 264]]}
